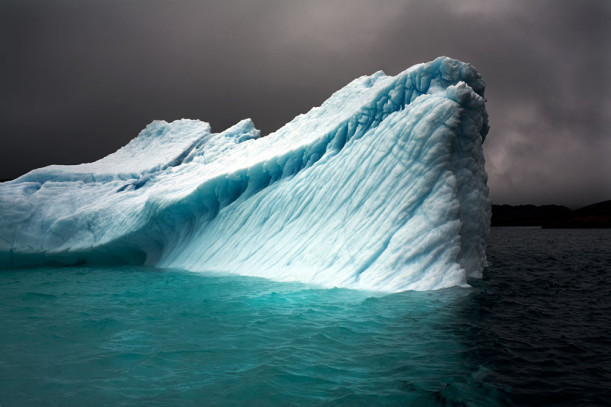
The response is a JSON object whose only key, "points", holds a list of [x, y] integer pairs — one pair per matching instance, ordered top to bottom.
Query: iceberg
{"points": [[382, 187]]}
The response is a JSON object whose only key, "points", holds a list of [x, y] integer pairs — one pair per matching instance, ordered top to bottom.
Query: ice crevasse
{"points": [[382, 187]]}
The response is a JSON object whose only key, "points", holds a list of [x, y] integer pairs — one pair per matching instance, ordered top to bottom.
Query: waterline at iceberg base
{"points": [[381, 188]]}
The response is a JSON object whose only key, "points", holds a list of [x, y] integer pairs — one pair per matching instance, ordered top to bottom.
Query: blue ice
{"points": [[382, 187]]}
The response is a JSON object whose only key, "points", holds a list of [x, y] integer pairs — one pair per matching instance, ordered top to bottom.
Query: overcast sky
{"points": [[80, 78]]}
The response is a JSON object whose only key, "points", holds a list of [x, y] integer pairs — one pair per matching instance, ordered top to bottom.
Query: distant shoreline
{"points": [[597, 215]]}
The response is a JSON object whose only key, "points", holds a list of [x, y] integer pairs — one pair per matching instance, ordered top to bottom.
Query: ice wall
{"points": [[382, 187]]}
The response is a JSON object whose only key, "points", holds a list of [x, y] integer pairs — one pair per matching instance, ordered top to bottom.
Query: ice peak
{"points": [[243, 130]]}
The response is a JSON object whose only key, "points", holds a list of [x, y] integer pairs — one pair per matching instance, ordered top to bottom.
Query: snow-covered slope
{"points": [[382, 187]]}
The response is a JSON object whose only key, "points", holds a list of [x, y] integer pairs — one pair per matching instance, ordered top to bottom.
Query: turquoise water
{"points": [[533, 332], [141, 336]]}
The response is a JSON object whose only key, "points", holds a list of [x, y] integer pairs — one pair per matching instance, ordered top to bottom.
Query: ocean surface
{"points": [[535, 331]]}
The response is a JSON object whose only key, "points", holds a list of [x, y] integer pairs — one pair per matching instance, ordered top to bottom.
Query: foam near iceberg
{"points": [[382, 187]]}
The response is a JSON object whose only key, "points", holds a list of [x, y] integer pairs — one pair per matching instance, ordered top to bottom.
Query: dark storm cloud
{"points": [[81, 78]]}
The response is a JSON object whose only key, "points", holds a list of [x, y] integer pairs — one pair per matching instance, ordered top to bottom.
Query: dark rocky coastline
{"points": [[597, 215]]}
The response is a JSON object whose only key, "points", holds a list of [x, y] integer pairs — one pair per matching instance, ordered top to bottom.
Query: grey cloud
{"points": [[83, 77]]}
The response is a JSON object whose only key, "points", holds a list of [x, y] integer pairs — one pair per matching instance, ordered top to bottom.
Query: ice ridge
{"points": [[382, 187]]}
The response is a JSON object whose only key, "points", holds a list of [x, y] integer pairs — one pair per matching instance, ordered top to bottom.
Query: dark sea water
{"points": [[535, 331]]}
